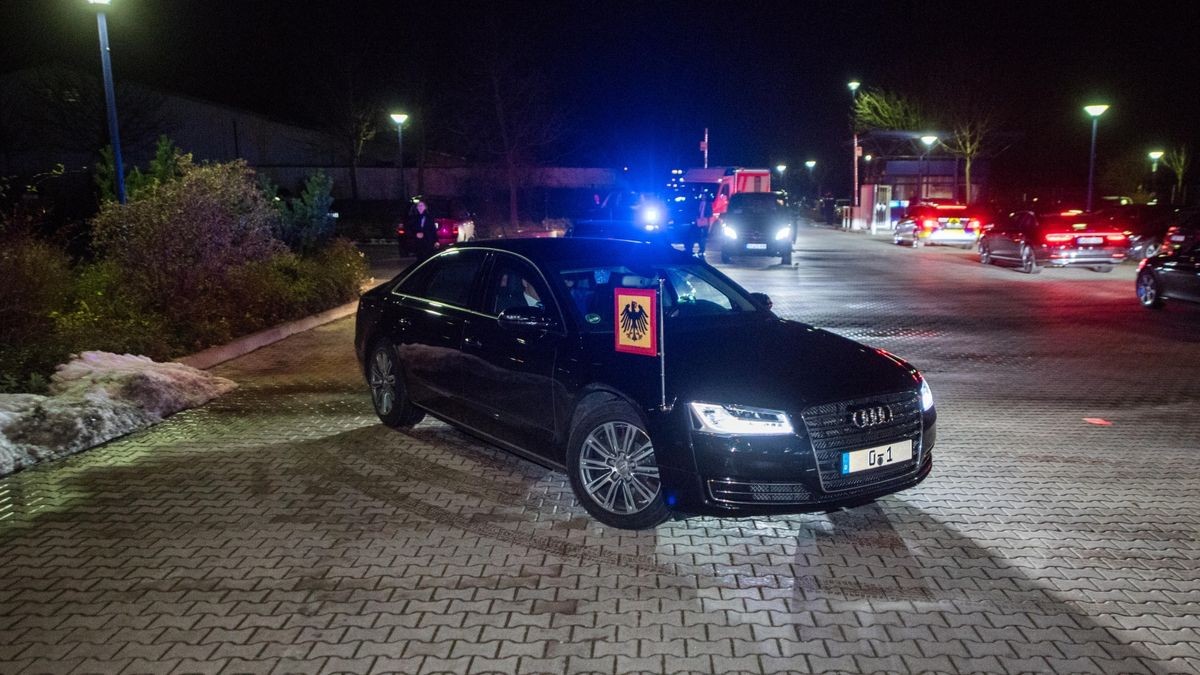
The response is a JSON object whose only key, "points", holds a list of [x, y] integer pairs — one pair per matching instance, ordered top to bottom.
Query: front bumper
{"points": [[768, 248], [796, 473]]}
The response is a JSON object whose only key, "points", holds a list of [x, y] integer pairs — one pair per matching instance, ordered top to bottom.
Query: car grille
{"points": [[832, 433], [743, 492]]}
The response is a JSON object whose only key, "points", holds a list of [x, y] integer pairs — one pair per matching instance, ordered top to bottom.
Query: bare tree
{"points": [[877, 109], [968, 139], [1178, 160]]}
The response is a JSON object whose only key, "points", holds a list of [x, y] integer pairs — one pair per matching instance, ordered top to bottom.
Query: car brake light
{"points": [[929, 223], [973, 223], [454, 230], [1115, 237], [1059, 238]]}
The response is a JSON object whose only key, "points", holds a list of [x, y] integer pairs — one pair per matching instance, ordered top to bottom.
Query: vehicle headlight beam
{"points": [[725, 419]]}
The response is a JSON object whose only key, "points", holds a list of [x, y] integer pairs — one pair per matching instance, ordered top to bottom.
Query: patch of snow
{"points": [[94, 398]]}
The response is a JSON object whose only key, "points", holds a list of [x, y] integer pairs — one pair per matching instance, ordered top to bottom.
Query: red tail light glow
{"points": [[929, 223], [974, 223], [1052, 238], [1116, 238]]}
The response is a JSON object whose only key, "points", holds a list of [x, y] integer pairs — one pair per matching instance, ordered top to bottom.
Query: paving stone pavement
{"points": [[282, 529]]}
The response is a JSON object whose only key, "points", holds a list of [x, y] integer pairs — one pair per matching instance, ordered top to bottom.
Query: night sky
{"points": [[638, 82]]}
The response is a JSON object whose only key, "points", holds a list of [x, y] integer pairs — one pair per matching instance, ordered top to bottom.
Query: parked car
{"points": [[631, 215], [940, 221], [454, 222], [756, 223], [1146, 226], [1184, 231], [1069, 238], [1174, 273], [516, 342]]}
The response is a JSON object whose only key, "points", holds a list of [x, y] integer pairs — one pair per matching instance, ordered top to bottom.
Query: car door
{"points": [[1002, 238], [1180, 274], [429, 325], [510, 370]]}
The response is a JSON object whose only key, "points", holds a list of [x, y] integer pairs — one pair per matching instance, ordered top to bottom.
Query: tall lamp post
{"points": [[854, 85], [1095, 111], [400, 119], [114, 136], [928, 141], [1154, 155], [812, 164], [781, 168]]}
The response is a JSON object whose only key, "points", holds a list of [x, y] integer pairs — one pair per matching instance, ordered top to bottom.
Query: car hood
{"points": [[768, 363], [782, 364]]}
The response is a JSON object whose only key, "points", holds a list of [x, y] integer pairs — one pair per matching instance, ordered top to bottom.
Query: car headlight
{"points": [[652, 217], [729, 232], [784, 232], [926, 396], [739, 420]]}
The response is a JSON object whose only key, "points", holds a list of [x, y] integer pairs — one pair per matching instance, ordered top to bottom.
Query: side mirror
{"points": [[763, 300], [525, 319]]}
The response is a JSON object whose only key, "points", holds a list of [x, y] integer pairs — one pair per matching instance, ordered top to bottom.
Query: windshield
{"points": [[753, 202], [690, 291]]}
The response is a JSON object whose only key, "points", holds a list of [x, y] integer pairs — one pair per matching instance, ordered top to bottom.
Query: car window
{"points": [[447, 278], [515, 283], [691, 291]]}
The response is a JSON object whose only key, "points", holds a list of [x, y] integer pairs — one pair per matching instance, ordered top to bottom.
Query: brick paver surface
{"points": [[282, 529]]}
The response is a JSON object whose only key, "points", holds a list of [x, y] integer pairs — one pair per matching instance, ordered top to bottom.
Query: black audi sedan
{"points": [[1068, 238], [1170, 275], [656, 383]]}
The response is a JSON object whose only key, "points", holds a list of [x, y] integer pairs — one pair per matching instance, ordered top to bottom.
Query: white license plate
{"points": [[1090, 240], [756, 247], [873, 458]]}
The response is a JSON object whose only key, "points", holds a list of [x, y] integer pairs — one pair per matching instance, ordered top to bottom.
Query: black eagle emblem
{"points": [[635, 322]]}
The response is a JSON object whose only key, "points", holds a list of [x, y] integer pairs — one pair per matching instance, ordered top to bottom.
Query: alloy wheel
{"points": [[383, 381], [617, 468]]}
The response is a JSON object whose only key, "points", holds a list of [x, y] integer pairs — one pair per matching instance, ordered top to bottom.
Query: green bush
{"points": [[178, 244], [35, 287], [103, 317]]}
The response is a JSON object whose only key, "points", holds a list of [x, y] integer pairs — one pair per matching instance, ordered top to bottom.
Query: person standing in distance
{"points": [[423, 230]]}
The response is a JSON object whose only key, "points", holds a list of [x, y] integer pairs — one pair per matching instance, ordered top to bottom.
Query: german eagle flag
{"points": [[636, 314]]}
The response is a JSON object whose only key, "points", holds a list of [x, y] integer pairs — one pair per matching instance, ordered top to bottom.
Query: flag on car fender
{"points": [[635, 311]]}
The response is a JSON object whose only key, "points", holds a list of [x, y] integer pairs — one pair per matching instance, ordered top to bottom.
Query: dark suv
{"points": [[756, 223]]}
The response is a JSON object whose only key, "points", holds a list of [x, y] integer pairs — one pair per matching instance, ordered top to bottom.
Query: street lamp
{"points": [[854, 85], [1095, 111], [400, 119], [114, 136], [928, 140], [1155, 155], [812, 164], [781, 168]]}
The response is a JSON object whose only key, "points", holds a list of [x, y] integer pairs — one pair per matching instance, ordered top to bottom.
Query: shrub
{"points": [[305, 223], [178, 243], [35, 288], [101, 317]]}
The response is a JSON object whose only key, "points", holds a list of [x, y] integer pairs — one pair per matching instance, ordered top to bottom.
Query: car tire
{"points": [[985, 254], [786, 258], [1029, 263], [1103, 269], [1149, 291], [389, 396], [612, 469]]}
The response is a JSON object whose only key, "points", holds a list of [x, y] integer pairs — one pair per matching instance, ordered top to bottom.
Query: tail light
{"points": [[928, 223], [974, 223], [454, 230], [1053, 238], [1116, 238]]}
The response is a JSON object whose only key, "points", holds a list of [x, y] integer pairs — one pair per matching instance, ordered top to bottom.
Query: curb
{"points": [[244, 345], [219, 354]]}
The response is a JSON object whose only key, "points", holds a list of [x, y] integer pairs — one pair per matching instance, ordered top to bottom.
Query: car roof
{"points": [[583, 250]]}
